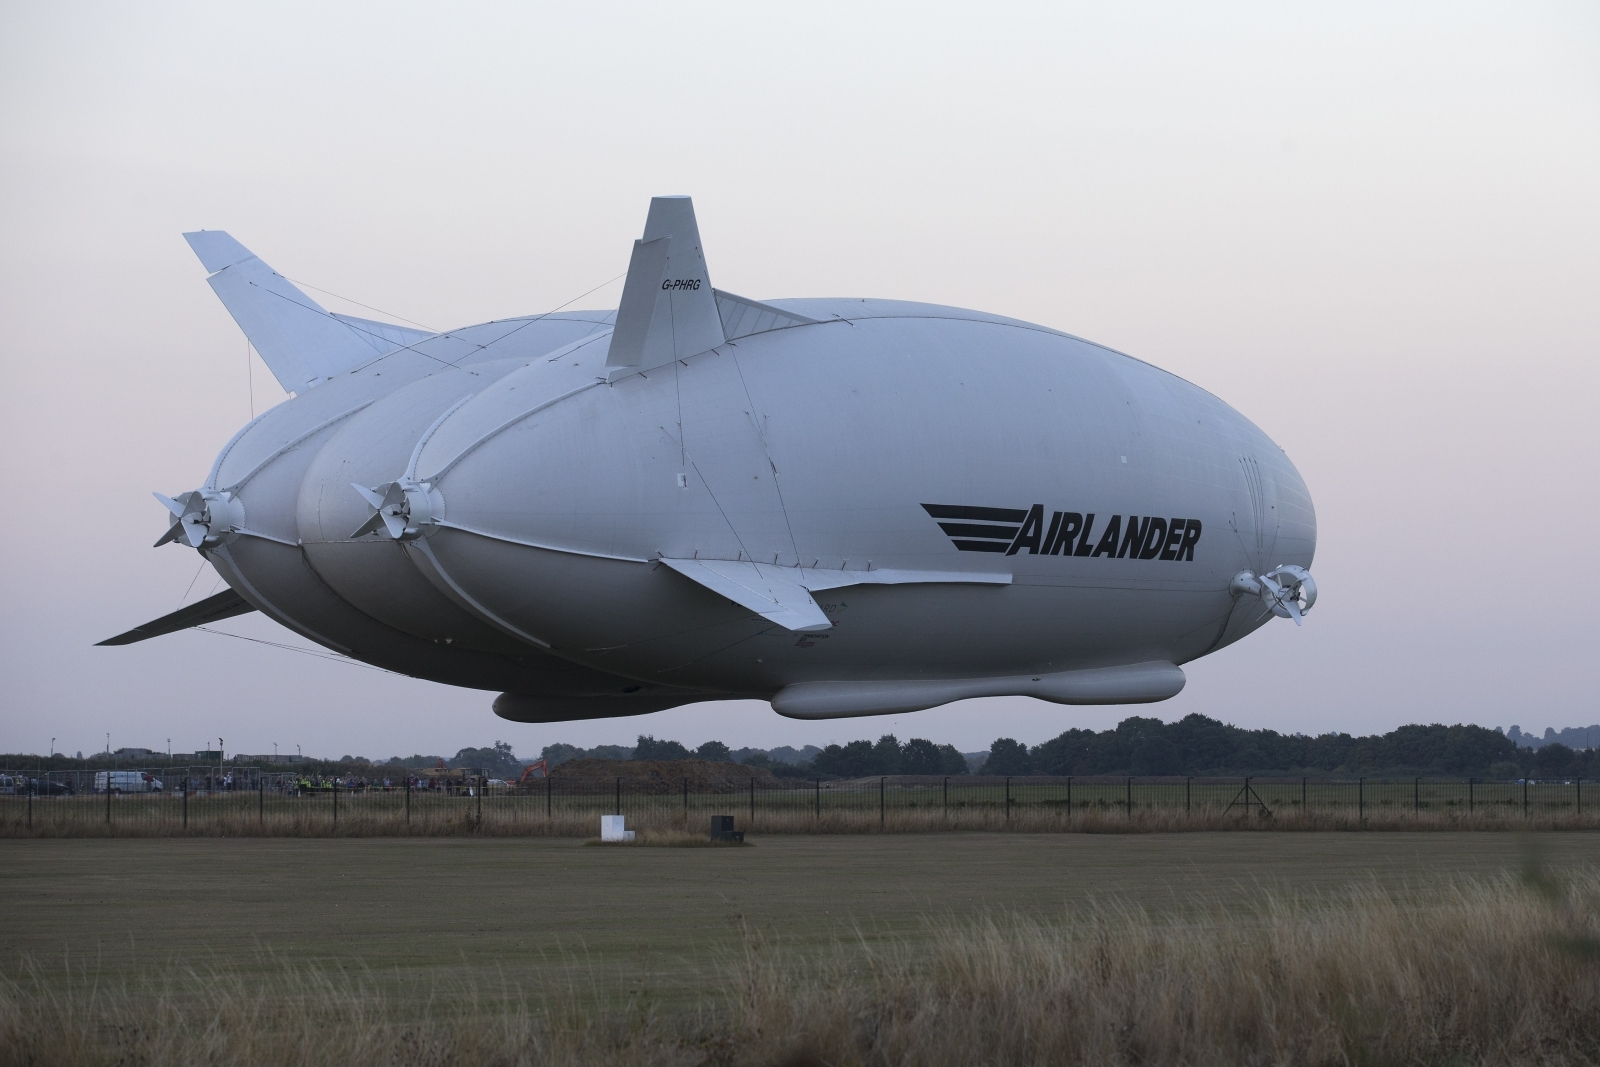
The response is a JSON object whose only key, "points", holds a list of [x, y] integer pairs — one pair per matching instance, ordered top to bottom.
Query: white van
{"points": [[126, 782]]}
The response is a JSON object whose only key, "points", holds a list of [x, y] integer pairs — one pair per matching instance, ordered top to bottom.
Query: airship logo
{"points": [[1068, 533]]}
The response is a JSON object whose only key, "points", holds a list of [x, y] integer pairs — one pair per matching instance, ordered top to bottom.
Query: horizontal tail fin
{"points": [[300, 341], [225, 605]]}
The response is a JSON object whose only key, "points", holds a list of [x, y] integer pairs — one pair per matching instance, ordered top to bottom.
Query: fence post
{"points": [[110, 777], [881, 782], [483, 783], [549, 789], [1416, 793], [619, 794], [947, 796], [1069, 796], [1469, 796], [185, 797], [1524, 797], [1130, 798], [819, 799], [1008, 799], [336, 800], [408, 800], [1361, 800], [1578, 800], [261, 801], [686, 803], [752, 803], [1187, 805], [1303, 807], [30, 809]]}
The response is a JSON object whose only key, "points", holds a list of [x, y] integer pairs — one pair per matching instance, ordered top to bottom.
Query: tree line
{"points": [[1138, 745], [1199, 745], [1142, 746]]}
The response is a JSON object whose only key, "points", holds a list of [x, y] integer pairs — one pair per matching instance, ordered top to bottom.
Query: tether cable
{"points": [[334, 656]]}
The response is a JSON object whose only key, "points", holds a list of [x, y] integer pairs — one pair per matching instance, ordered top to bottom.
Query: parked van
{"points": [[126, 782]]}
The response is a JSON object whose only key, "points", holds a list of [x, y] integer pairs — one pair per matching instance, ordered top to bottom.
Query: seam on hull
{"points": [[293, 444], [475, 445], [446, 523], [493, 618]]}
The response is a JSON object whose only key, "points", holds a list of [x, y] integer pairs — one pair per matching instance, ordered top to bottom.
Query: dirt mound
{"points": [[660, 776]]}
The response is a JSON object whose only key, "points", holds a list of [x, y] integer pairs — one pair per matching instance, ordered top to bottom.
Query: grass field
{"points": [[413, 910], [483, 925]]}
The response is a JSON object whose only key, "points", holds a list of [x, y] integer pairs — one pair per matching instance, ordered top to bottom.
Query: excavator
{"points": [[542, 766]]}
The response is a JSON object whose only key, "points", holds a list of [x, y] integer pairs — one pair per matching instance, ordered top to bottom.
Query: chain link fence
{"points": [[210, 800]]}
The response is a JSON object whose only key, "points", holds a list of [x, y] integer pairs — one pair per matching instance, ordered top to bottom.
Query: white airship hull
{"points": [[818, 454], [845, 506]]}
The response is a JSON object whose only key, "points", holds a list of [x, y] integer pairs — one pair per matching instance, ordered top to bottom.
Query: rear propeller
{"points": [[402, 510], [201, 517]]}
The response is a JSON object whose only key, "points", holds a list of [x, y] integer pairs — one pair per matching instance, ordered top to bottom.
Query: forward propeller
{"points": [[1288, 591]]}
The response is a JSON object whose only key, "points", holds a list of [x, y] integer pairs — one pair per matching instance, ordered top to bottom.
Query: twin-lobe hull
{"points": [[836, 446], [844, 506]]}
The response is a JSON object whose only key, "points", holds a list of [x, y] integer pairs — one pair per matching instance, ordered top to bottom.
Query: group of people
{"points": [[307, 785]]}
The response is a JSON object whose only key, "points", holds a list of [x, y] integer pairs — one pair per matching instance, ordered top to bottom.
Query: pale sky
{"points": [[1371, 228]]}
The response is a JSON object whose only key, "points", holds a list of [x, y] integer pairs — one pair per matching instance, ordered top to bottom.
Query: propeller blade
{"points": [[371, 496], [374, 521], [395, 524], [173, 533], [1309, 589]]}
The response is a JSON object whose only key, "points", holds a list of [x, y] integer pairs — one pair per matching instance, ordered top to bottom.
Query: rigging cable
{"points": [[334, 656]]}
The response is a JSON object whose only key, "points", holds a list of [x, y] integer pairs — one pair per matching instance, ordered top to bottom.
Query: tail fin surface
{"points": [[668, 310], [301, 342]]}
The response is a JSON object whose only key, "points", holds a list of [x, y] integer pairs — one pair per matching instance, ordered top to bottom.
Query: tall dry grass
{"points": [[1503, 971], [1481, 976]]}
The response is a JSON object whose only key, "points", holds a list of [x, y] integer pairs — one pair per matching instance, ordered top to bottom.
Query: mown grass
{"points": [[382, 817], [1500, 970]]}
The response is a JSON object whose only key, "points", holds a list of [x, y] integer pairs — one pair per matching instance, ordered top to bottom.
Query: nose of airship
{"points": [[1276, 527], [1289, 533]]}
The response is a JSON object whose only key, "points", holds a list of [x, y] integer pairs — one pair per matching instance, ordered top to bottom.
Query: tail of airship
{"points": [[301, 342]]}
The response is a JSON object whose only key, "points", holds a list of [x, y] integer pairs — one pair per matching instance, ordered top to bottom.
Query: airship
{"points": [[842, 506]]}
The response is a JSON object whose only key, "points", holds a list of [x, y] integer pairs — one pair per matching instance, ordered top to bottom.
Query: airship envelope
{"points": [[842, 506]]}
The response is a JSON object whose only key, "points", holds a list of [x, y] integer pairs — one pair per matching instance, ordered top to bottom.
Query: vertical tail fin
{"points": [[668, 310]]}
